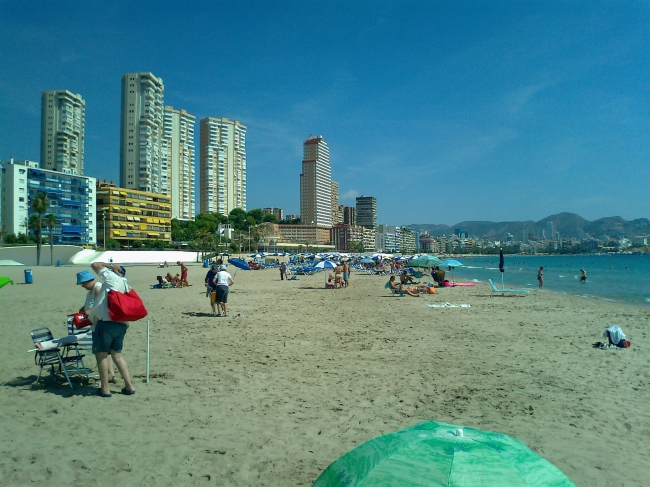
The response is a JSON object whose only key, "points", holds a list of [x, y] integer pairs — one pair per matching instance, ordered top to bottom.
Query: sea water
{"points": [[620, 278]]}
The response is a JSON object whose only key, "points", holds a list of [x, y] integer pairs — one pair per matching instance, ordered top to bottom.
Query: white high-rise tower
{"points": [[63, 122], [141, 138], [178, 154], [222, 165], [316, 183]]}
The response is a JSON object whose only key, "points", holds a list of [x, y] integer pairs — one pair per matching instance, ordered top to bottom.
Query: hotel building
{"points": [[63, 121], [178, 156], [142, 165], [222, 165], [316, 183], [71, 201], [367, 212], [126, 214], [336, 215], [348, 215], [307, 235], [343, 235]]}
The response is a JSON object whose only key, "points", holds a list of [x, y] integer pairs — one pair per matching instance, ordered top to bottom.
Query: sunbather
{"points": [[411, 291]]}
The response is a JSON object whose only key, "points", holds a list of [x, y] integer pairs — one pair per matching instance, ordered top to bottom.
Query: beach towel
{"points": [[4, 281], [449, 305], [66, 340]]}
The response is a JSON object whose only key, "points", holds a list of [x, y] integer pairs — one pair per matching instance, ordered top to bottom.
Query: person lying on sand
{"points": [[411, 291]]}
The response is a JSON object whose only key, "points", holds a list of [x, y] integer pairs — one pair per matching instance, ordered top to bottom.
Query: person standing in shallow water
{"points": [[583, 275], [540, 277]]}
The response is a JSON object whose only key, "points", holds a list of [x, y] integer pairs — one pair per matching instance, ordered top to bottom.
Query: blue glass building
{"points": [[71, 198]]}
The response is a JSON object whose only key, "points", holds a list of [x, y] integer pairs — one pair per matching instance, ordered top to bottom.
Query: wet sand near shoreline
{"points": [[272, 397]]}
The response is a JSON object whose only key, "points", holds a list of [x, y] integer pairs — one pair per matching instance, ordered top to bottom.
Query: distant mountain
{"points": [[568, 224]]}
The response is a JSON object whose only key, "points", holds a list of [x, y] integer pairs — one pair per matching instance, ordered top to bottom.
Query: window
{"points": [[21, 199]]}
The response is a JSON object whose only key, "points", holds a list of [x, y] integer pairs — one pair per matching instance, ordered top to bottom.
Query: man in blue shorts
{"points": [[108, 336]]}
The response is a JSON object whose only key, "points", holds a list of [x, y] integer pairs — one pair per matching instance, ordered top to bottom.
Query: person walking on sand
{"points": [[283, 271], [346, 274], [540, 277], [222, 280], [184, 282], [210, 287], [108, 335]]}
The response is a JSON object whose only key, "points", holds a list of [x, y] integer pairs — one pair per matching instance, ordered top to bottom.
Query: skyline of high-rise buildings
{"points": [[63, 123], [158, 154], [179, 157], [222, 165], [142, 166], [316, 183]]}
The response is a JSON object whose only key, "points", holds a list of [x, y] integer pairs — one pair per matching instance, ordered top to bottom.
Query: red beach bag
{"points": [[125, 306], [80, 320]]}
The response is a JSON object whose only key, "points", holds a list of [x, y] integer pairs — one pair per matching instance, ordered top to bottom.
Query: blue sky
{"points": [[445, 111]]}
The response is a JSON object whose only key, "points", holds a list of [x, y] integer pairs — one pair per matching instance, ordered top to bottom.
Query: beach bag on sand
{"points": [[431, 290], [125, 306]]}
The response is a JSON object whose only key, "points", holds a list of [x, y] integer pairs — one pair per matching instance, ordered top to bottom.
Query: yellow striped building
{"points": [[128, 214]]}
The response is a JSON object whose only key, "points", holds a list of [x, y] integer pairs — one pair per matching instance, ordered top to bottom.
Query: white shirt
{"points": [[223, 278], [99, 309]]}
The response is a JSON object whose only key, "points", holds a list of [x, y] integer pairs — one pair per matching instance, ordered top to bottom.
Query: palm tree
{"points": [[39, 205], [50, 223]]}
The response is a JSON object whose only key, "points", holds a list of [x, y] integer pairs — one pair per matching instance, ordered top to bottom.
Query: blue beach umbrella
{"points": [[451, 263], [239, 264], [326, 264], [442, 455]]}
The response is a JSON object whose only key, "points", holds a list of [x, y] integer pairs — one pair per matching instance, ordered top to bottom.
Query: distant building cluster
{"points": [[157, 165], [157, 169]]}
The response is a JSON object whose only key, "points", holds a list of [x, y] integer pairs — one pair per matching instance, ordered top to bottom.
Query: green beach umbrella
{"points": [[425, 261], [4, 281], [442, 455]]}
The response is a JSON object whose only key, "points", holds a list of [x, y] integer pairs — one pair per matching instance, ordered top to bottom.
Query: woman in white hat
{"points": [[222, 280]]}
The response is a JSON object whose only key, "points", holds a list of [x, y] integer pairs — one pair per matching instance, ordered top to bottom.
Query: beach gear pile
{"points": [[616, 339]]}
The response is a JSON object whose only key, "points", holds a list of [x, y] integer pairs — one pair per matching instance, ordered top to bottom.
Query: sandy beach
{"points": [[272, 397]]}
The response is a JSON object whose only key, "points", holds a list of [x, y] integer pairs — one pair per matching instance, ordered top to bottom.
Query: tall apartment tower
{"points": [[63, 121], [178, 154], [222, 165], [142, 166], [316, 183], [335, 204], [367, 212], [348, 214], [550, 231]]}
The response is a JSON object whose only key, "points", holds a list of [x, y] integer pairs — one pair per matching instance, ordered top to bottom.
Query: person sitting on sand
{"points": [[404, 278], [400, 287]]}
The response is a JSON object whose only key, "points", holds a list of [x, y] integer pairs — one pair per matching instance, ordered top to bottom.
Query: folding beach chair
{"points": [[496, 290], [393, 291], [53, 357]]}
